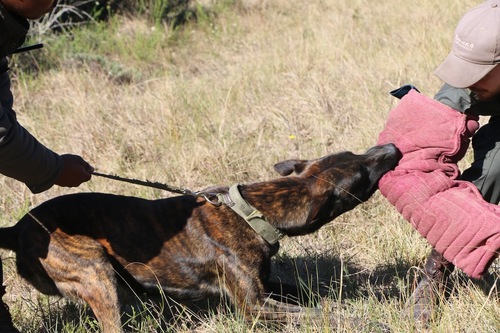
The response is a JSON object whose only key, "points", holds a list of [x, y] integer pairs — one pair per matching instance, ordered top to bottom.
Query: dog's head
{"points": [[338, 182]]}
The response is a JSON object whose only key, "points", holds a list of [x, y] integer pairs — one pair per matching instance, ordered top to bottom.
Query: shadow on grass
{"points": [[306, 281]]}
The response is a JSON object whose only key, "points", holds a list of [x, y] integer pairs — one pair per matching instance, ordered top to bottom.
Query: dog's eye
{"points": [[355, 184]]}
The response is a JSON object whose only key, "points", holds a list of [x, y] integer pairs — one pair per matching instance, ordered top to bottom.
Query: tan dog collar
{"points": [[251, 215]]}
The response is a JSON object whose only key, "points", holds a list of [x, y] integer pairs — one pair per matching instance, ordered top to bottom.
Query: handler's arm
{"points": [[23, 158]]}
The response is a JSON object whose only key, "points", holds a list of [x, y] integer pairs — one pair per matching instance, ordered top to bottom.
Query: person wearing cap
{"points": [[472, 86], [22, 157]]}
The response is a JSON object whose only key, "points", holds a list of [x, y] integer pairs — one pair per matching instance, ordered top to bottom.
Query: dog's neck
{"points": [[285, 202], [255, 219]]}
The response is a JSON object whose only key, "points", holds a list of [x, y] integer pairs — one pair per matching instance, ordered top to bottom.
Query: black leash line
{"points": [[28, 48], [156, 185], [210, 197]]}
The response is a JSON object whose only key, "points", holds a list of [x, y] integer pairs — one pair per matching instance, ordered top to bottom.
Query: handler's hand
{"points": [[75, 171]]}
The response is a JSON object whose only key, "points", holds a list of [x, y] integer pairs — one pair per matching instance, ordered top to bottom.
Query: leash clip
{"points": [[212, 198]]}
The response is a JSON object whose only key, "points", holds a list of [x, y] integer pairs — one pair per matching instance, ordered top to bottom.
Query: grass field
{"points": [[221, 99]]}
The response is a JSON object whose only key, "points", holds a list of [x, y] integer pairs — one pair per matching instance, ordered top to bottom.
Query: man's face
{"points": [[30, 9], [489, 86]]}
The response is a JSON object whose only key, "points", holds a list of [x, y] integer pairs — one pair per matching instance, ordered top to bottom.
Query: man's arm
{"points": [[23, 158]]}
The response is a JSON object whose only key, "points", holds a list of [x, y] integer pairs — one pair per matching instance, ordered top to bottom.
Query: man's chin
{"points": [[484, 96]]}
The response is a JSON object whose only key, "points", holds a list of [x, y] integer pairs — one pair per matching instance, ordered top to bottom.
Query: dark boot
{"points": [[431, 288], [6, 325]]}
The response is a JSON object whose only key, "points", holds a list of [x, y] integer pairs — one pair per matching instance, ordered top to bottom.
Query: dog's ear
{"points": [[287, 167]]}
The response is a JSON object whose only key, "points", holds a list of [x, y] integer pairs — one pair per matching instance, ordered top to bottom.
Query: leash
{"points": [[28, 48], [208, 196], [232, 199]]}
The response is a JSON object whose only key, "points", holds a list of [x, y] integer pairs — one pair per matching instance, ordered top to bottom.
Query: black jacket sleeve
{"points": [[22, 157]]}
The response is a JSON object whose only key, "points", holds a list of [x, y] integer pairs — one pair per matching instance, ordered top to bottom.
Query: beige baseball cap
{"points": [[476, 46]]}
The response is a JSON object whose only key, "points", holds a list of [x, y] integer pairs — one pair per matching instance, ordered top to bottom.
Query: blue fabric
{"points": [[403, 90]]}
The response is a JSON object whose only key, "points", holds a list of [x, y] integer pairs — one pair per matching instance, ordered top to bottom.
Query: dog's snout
{"points": [[392, 150], [385, 151], [382, 159]]}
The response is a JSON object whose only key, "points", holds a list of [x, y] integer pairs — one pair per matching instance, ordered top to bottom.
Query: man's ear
{"points": [[285, 168]]}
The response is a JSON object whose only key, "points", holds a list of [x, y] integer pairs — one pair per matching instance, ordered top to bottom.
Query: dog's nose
{"points": [[391, 149], [387, 150], [382, 159]]}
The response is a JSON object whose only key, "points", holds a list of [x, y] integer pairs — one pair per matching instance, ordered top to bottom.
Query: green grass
{"points": [[220, 100]]}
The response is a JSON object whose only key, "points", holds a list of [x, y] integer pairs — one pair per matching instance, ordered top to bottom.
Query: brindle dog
{"points": [[82, 245]]}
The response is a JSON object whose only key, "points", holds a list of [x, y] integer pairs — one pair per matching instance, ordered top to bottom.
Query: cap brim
{"points": [[460, 73]]}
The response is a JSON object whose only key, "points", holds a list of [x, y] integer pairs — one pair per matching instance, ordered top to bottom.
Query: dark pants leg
{"points": [[5, 101], [433, 285], [5, 317]]}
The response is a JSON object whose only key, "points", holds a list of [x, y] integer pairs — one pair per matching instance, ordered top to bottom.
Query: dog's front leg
{"points": [[240, 283], [248, 296]]}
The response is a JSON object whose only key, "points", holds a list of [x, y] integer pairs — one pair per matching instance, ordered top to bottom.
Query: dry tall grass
{"points": [[220, 102]]}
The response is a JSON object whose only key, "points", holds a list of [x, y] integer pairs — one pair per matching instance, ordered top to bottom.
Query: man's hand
{"points": [[30, 9], [74, 172]]}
